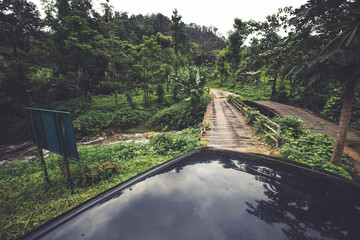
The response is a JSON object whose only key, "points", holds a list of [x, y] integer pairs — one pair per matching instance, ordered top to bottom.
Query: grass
{"points": [[248, 91], [253, 92], [27, 203]]}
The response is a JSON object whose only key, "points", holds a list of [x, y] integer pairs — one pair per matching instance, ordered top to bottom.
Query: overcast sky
{"points": [[219, 13]]}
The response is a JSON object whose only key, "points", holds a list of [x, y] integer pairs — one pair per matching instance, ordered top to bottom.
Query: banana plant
{"points": [[190, 79]]}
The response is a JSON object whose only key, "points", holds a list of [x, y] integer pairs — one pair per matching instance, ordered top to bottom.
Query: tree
{"points": [[335, 23], [19, 26], [20, 33], [179, 36], [74, 43], [233, 48], [269, 49], [147, 64], [222, 67]]}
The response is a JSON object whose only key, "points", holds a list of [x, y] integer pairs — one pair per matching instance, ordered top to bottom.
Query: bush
{"points": [[332, 109], [179, 116], [250, 116], [128, 118], [96, 120], [93, 121], [290, 126], [185, 141], [314, 150]]}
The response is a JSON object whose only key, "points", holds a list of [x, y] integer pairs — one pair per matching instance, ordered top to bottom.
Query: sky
{"points": [[219, 13]]}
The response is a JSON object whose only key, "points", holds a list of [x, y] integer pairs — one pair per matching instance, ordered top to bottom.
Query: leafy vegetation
{"points": [[76, 53], [319, 55], [110, 69], [179, 116], [299, 144], [314, 150], [26, 203]]}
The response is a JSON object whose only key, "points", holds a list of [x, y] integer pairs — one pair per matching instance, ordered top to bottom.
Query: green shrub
{"points": [[130, 100], [332, 109], [179, 116], [250, 116], [128, 118], [96, 120], [93, 121], [291, 127], [185, 141], [314, 150]]}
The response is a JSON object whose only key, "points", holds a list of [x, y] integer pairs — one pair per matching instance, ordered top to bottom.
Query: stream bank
{"points": [[26, 151]]}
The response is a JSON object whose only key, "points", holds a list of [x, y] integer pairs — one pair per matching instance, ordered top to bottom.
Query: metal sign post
{"points": [[53, 130], [65, 159], [44, 165]]}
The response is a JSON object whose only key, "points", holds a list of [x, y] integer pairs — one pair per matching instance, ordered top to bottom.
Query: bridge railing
{"points": [[268, 124], [202, 129]]}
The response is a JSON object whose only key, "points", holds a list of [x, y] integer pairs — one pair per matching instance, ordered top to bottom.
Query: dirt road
{"points": [[310, 121], [315, 124], [228, 127]]}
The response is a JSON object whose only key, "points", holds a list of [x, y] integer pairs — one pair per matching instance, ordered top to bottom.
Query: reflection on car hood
{"points": [[217, 194]]}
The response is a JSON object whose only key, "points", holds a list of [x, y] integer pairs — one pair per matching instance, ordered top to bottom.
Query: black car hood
{"points": [[217, 194]]}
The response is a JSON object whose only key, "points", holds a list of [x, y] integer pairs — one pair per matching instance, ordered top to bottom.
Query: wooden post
{"points": [[278, 137], [47, 180]]}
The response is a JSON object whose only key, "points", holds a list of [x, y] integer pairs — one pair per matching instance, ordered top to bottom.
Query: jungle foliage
{"points": [[75, 53], [315, 66], [298, 144]]}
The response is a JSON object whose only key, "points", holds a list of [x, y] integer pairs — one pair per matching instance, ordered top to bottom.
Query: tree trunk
{"points": [[234, 78], [78, 82], [273, 92], [146, 95], [343, 123]]}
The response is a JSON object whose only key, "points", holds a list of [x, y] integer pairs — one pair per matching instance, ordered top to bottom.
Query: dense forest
{"points": [[75, 53], [138, 73]]}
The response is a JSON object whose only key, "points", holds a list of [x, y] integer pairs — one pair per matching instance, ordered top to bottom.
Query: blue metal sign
{"points": [[53, 131]]}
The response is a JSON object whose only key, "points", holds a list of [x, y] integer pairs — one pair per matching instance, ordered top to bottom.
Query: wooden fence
{"points": [[240, 106]]}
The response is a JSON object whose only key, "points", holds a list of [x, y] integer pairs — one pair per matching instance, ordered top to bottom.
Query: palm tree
{"points": [[336, 23]]}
